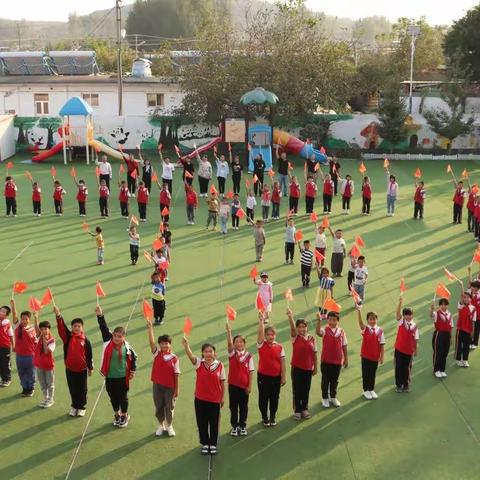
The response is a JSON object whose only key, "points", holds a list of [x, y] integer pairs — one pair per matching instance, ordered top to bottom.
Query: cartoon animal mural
{"points": [[372, 137]]}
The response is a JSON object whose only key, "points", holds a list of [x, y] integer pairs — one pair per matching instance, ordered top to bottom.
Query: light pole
{"points": [[414, 32], [120, 35]]}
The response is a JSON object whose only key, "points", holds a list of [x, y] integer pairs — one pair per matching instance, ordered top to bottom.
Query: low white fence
{"points": [[420, 156]]}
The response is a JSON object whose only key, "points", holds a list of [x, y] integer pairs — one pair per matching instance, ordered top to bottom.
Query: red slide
{"points": [[204, 148], [48, 153]]}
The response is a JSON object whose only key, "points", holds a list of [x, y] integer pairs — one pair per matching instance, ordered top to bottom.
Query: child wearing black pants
{"points": [[134, 238], [306, 262], [158, 298], [465, 320], [442, 335], [119, 362], [240, 375]]}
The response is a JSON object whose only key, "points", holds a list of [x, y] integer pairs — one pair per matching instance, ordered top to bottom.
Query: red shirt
{"points": [[132, 165], [328, 187], [310, 189], [10, 190], [294, 190], [104, 191], [367, 191], [58, 192], [347, 192], [82, 193], [36, 194], [123, 195], [142, 195], [276, 195], [419, 196], [458, 196], [165, 197], [192, 198], [471, 201], [476, 210], [466, 317], [443, 321], [6, 333], [406, 337], [333, 341], [372, 341], [25, 345], [303, 352], [270, 358], [44, 360], [240, 364], [164, 369], [208, 384]]}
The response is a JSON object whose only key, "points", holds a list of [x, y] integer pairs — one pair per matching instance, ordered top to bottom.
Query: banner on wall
{"points": [[235, 130]]}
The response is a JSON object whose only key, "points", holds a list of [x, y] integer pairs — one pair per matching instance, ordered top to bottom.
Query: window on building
{"points": [[91, 98], [155, 99], [41, 103]]}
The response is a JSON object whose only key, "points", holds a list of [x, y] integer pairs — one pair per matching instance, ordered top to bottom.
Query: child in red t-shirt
{"points": [[328, 189], [346, 189], [58, 193], [10, 194], [82, 194], [103, 194], [276, 194], [310, 194], [294, 195], [366, 195], [123, 196], [458, 198], [36, 199], [142, 200], [165, 200], [419, 200], [191, 202], [471, 208], [466, 317], [442, 336], [373, 345], [6, 346], [334, 356], [44, 361], [304, 364], [165, 373], [240, 374], [209, 394]]}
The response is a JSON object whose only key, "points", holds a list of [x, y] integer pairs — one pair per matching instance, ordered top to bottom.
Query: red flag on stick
{"points": [[229, 147], [177, 150], [386, 163], [9, 165], [121, 169], [362, 169], [449, 169], [53, 172], [73, 172], [97, 172], [418, 173], [133, 174], [188, 174], [28, 175], [154, 176], [255, 178], [247, 183], [213, 190], [229, 194], [165, 212], [241, 213], [313, 217], [134, 220], [325, 222], [85, 227], [298, 236], [359, 241], [157, 244], [355, 251], [318, 256], [254, 272], [450, 275], [19, 287], [403, 287], [99, 290], [442, 291], [289, 295], [355, 296], [47, 297], [34, 304], [259, 304], [331, 305], [147, 310], [231, 312], [187, 326]]}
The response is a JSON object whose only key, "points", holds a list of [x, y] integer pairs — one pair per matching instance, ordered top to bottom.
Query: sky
{"points": [[437, 12]]}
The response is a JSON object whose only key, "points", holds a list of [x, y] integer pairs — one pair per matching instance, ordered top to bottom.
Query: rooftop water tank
{"points": [[141, 68]]}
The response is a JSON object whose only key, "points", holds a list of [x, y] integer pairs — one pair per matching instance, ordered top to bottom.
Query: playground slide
{"points": [[291, 144], [101, 147], [204, 148], [265, 152], [48, 153]]}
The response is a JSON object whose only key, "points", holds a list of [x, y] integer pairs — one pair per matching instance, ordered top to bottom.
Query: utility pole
{"points": [[414, 32], [120, 33]]}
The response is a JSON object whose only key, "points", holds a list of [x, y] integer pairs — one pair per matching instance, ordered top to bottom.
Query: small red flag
{"points": [[322, 150], [386, 163], [9, 165], [290, 166], [317, 167], [122, 168], [362, 168], [449, 169], [97, 171], [53, 172], [73, 172], [271, 173], [418, 173], [465, 173], [133, 174], [188, 174], [154, 176], [255, 178], [247, 183], [474, 189], [213, 190], [229, 194], [165, 212], [241, 213], [313, 217], [134, 220], [325, 222], [85, 227], [298, 236], [359, 241], [157, 244], [355, 251], [147, 256], [318, 256], [476, 257], [164, 265], [254, 272], [450, 275], [19, 287], [403, 287], [99, 290], [442, 291], [289, 295], [355, 295], [47, 297], [34, 304], [259, 304], [331, 305], [147, 310], [231, 312], [187, 326]]}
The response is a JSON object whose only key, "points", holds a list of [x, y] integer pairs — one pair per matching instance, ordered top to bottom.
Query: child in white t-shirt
{"points": [[338, 252], [360, 277]]}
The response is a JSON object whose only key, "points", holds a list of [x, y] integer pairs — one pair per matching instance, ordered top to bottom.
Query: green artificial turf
{"points": [[431, 433]]}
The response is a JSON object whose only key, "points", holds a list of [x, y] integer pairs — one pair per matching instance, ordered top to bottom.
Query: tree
{"points": [[462, 43], [392, 115], [450, 123], [51, 124]]}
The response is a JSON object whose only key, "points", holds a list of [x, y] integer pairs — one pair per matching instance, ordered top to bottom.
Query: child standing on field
{"points": [[346, 188], [328, 189], [10, 193], [58, 193], [103, 193], [82, 194], [276, 194], [310, 194], [294, 195], [366, 195], [123, 196], [458, 198], [36, 199], [142, 200], [165, 200], [419, 200], [191, 201], [266, 202], [251, 204], [213, 207], [234, 210], [223, 214], [290, 233], [259, 238], [134, 239], [320, 242], [100, 245], [338, 252], [306, 262], [360, 277], [325, 288], [265, 294], [158, 298], [466, 317], [442, 336], [6, 346], [373, 346], [405, 347], [77, 353], [334, 356], [44, 361], [304, 364], [118, 365], [240, 374], [164, 377], [209, 394]]}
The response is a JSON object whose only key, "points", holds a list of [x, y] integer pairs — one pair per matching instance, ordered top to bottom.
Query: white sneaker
{"points": [[393, 215], [473, 347], [459, 363], [466, 364], [438, 374], [444, 374], [367, 395], [374, 395], [325, 403], [335, 403], [48, 404], [73, 412], [81, 412], [159, 431], [170, 431]]}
